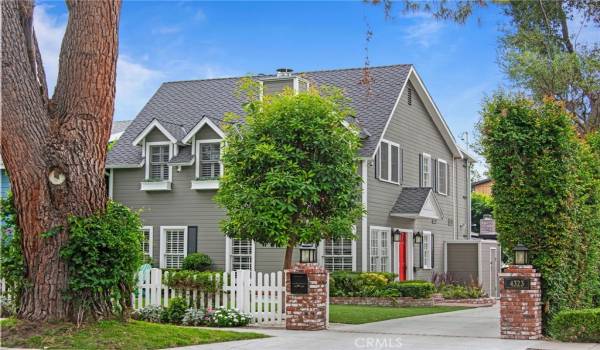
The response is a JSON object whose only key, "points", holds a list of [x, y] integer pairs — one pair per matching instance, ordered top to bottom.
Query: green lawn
{"points": [[357, 314], [112, 335]]}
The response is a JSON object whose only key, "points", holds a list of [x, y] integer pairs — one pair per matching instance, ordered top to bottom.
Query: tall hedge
{"points": [[546, 196]]}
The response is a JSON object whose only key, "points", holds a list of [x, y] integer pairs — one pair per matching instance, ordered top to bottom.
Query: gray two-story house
{"points": [[415, 178]]}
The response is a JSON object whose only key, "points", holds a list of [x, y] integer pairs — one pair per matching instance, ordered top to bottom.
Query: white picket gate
{"points": [[258, 294]]}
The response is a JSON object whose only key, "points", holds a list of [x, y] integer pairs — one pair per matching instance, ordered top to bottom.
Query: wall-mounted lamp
{"points": [[396, 235], [418, 238], [308, 253], [521, 253]]}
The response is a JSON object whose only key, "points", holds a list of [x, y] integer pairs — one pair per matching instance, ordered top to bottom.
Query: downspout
{"points": [[365, 176], [468, 198], [454, 200]]}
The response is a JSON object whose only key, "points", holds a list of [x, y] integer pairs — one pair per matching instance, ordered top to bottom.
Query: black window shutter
{"points": [[377, 163], [402, 166], [420, 169], [434, 174], [192, 243], [432, 248], [421, 253]]}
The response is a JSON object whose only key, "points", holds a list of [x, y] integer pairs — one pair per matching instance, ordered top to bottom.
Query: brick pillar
{"points": [[520, 303], [307, 311]]}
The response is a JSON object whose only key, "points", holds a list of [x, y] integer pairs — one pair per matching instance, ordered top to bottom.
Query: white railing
{"points": [[258, 294]]}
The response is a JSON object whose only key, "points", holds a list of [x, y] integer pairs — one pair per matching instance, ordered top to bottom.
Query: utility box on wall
{"points": [[474, 261]]}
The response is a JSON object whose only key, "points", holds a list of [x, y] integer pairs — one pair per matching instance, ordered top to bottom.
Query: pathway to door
{"points": [[466, 329]]}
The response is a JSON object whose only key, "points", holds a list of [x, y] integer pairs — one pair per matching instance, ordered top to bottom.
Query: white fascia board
{"points": [[154, 124], [199, 125]]}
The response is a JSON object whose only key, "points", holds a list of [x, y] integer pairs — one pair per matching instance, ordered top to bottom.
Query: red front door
{"points": [[402, 257]]}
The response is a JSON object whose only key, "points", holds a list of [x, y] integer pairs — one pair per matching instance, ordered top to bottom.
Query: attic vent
{"points": [[409, 95]]}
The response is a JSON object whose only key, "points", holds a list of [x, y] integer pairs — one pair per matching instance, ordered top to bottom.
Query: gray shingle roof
{"points": [[180, 105], [119, 126], [184, 156], [411, 200]]}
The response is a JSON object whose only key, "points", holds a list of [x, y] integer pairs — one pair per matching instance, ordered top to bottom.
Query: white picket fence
{"points": [[258, 294]]}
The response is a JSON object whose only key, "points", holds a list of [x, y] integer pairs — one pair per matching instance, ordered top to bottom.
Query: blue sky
{"points": [[165, 41]]}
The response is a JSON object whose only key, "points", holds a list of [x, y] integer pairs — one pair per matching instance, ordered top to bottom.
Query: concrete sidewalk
{"points": [[467, 329]]}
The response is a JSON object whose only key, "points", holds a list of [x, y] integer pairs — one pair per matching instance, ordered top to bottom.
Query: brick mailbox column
{"points": [[306, 297], [520, 303]]}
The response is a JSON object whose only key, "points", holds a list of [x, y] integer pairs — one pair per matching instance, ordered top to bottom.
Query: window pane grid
{"points": [[210, 156], [159, 158], [146, 242], [174, 248], [241, 254], [337, 254], [379, 256]]}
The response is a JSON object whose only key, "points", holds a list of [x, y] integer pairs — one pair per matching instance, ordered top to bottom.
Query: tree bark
{"points": [[55, 149], [287, 261]]}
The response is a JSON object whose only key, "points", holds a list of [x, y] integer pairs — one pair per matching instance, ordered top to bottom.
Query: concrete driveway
{"points": [[466, 329]]}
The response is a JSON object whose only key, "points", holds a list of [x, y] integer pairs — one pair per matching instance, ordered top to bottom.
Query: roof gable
{"points": [[431, 108], [417, 202]]}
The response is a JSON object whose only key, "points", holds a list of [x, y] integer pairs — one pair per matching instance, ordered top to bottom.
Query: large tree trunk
{"points": [[55, 149], [287, 261]]}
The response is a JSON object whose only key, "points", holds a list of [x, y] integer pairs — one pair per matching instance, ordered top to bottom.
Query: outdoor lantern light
{"points": [[396, 235], [418, 238], [308, 253], [520, 254]]}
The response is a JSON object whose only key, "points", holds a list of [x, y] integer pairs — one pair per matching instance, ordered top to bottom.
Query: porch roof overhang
{"points": [[417, 203]]}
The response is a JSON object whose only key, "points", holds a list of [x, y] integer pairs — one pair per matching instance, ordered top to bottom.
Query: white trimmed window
{"points": [[209, 160], [157, 162], [389, 162], [426, 170], [442, 177], [147, 241], [173, 245], [380, 249], [427, 250], [242, 254], [337, 254]]}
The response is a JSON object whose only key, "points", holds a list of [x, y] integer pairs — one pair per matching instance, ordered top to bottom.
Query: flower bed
{"points": [[436, 300]]}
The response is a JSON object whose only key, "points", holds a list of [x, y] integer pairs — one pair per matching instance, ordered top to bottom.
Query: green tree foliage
{"points": [[540, 53], [291, 169], [546, 196], [481, 205], [103, 254], [12, 262]]}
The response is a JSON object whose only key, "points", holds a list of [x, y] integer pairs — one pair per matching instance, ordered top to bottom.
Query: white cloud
{"points": [[49, 31], [423, 31], [135, 85]]}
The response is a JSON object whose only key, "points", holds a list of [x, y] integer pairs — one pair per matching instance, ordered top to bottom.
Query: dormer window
{"points": [[159, 159], [210, 160]]}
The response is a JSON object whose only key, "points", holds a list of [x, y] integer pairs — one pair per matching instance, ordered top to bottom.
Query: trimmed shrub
{"points": [[197, 262], [184, 279], [356, 284], [415, 289], [457, 291], [175, 312], [149, 313], [193, 317], [576, 326]]}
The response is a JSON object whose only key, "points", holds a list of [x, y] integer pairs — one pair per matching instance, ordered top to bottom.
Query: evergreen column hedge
{"points": [[546, 196]]}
